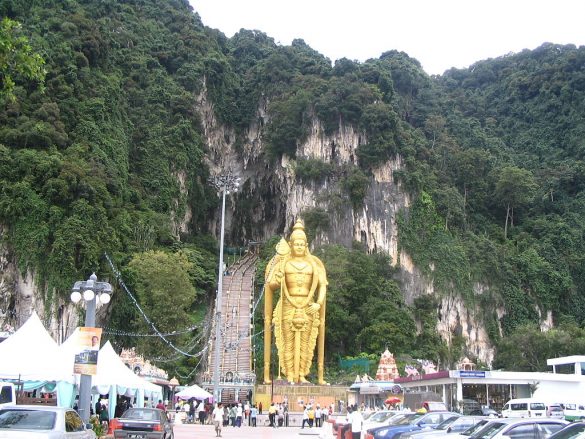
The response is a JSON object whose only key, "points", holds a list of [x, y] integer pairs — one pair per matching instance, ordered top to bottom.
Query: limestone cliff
{"points": [[286, 198]]}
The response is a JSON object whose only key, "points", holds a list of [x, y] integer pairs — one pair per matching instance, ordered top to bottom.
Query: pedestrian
{"points": [[260, 408], [192, 410], [201, 412], [239, 412], [247, 413], [311, 414], [232, 415], [253, 415], [272, 415], [280, 415], [226, 416], [318, 416], [104, 417], [305, 417], [218, 419], [356, 421]]}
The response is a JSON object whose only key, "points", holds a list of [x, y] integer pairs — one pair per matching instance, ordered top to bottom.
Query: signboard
{"points": [[88, 344], [470, 374], [427, 376], [370, 389]]}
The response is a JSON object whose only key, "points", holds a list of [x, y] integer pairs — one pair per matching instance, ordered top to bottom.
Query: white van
{"points": [[7, 394], [524, 408], [574, 411]]}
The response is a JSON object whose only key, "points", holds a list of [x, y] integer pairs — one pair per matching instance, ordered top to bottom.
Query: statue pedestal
{"points": [[298, 394]]}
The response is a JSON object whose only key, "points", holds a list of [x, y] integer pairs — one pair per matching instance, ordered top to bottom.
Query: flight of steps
{"points": [[236, 329]]}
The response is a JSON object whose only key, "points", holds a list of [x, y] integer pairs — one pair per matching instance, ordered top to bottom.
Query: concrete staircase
{"points": [[235, 365]]}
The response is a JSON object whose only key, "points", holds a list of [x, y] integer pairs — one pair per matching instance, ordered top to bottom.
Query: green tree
{"points": [[18, 61], [515, 187], [162, 282]]}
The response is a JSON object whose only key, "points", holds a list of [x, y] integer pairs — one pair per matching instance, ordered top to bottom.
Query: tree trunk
{"points": [[506, 225]]}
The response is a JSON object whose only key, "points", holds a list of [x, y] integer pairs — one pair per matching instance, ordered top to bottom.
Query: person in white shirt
{"points": [[201, 412], [247, 412], [217, 416], [318, 416], [356, 420]]}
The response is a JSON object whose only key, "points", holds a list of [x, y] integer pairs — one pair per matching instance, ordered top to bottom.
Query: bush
{"points": [[312, 169]]}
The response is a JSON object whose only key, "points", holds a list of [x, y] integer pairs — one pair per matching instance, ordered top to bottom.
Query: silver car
{"points": [[42, 422], [520, 428], [445, 429]]}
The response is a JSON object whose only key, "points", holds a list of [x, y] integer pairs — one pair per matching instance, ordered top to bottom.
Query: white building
{"points": [[566, 382]]}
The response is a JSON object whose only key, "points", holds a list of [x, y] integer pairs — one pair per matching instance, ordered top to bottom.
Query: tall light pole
{"points": [[224, 183], [91, 290]]}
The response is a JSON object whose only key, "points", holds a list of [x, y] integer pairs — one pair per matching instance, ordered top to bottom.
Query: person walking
{"points": [[260, 408], [192, 410], [247, 412], [239, 413], [311, 414], [253, 415], [272, 415], [217, 416], [226, 416], [232, 416], [305, 417], [356, 420]]}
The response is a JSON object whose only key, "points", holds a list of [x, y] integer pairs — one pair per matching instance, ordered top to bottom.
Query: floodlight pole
{"points": [[225, 184]]}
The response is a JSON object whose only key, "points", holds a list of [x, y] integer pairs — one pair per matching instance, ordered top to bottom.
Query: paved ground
{"points": [[207, 432]]}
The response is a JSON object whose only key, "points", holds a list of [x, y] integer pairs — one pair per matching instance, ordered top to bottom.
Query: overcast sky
{"points": [[439, 33]]}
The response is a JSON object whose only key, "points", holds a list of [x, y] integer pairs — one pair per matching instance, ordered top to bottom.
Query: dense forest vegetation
{"points": [[93, 159]]}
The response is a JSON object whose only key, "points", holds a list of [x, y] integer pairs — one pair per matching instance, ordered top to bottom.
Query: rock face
{"points": [[273, 197], [276, 198]]}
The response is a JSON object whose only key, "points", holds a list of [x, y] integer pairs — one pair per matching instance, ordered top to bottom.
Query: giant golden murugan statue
{"points": [[299, 316]]}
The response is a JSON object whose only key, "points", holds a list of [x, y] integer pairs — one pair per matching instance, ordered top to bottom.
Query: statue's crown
{"points": [[298, 231]]}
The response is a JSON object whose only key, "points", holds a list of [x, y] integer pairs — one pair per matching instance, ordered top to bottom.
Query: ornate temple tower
{"points": [[387, 369]]}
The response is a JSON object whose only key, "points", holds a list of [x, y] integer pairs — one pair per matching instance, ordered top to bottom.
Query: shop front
{"points": [[464, 390]]}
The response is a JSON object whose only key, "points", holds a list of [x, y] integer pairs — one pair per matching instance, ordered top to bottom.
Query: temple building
{"points": [[387, 369]]}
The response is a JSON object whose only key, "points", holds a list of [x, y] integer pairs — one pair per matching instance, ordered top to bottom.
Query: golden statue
{"points": [[299, 316]]}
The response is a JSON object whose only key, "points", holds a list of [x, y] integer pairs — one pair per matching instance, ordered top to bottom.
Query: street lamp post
{"points": [[225, 184], [91, 291]]}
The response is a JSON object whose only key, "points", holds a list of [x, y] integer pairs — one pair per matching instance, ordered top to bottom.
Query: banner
{"points": [[88, 343]]}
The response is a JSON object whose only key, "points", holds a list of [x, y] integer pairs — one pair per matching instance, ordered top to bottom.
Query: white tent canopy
{"points": [[31, 354], [112, 371], [194, 391]]}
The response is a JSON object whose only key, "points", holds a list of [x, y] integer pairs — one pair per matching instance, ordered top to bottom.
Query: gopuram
{"points": [[299, 280]]}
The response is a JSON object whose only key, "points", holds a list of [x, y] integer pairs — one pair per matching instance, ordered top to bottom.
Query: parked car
{"points": [[7, 394], [485, 411], [555, 411], [574, 411], [382, 418], [378, 419], [42, 422], [413, 422], [142, 423], [515, 428], [445, 429], [470, 431], [571, 431]]}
